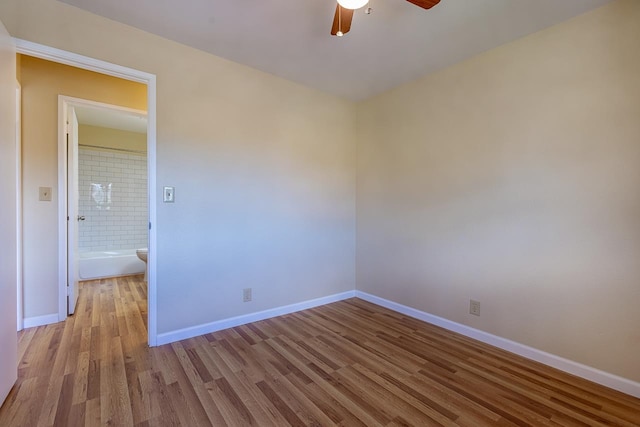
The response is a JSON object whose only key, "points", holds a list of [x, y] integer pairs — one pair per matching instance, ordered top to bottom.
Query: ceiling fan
{"points": [[344, 13]]}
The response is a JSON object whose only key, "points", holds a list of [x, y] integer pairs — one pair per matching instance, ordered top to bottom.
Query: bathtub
{"points": [[96, 265]]}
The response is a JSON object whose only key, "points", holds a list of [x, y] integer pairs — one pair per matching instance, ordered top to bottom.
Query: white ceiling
{"points": [[397, 43], [112, 119]]}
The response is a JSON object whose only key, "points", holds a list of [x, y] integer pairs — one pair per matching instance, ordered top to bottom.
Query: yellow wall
{"points": [[18, 66], [42, 82], [107, 138], [514, 179]]}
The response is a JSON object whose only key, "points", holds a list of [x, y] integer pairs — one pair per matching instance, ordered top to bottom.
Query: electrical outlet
{"points": [[44, 194], [246, 295], [474, 307]]}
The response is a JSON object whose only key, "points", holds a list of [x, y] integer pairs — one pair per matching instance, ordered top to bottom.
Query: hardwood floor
{"points": [[349, 363]]}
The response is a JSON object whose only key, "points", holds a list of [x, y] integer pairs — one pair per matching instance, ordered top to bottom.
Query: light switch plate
{"points": [[45, 194], [169, 195]]}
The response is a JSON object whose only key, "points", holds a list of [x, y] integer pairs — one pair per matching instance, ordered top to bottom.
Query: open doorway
{"points": [[126, 74], [107, 207]]}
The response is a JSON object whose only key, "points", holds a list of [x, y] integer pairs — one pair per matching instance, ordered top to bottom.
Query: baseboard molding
{"points": [[32, 322], [182, 334], [592, 374]]}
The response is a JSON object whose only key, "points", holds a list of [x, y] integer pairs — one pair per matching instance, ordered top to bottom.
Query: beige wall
{"points": [[42, 82], [116, 139], [264, 171], [511, 178], [514, 179]]}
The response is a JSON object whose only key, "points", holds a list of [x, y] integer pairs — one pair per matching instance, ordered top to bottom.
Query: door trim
{"points": [[80, 61], [20, 306]]}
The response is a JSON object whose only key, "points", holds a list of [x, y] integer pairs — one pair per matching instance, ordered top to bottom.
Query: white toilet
{"points": [[142, 254]]}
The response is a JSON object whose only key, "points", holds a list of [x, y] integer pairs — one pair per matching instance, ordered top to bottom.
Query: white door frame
{"points": [[103, 67], [20, 310]]}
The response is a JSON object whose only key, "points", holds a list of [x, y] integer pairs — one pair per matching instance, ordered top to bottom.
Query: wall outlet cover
{"points": [[45, 194], [474, 307]]}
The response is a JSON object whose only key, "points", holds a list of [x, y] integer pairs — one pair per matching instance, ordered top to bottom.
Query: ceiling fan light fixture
{"points": [[352, 4]]}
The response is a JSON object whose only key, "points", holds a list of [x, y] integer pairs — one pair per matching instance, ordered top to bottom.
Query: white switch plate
{"points": [[45, 194], [169, 195]]}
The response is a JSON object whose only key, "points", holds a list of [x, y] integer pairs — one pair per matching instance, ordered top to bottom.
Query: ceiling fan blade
{"points": [[425, 4], [344, 20]]}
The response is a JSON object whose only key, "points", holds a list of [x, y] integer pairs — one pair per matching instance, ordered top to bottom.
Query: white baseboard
{"points": [[32, 322], [182, 334], [592, 374]]}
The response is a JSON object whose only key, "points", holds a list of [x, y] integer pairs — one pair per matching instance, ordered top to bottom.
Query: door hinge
{"points": [[149, 226], [67, 290]]}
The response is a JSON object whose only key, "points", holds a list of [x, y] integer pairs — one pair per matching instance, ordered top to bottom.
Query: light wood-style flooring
{"points": [[349, 363]]}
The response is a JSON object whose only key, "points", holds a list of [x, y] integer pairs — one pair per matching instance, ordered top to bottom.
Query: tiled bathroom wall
{"points": [[113, 200]]}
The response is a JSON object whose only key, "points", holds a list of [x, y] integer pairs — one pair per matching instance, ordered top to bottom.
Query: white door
{"points": [[72, 209], [8, 227]]}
